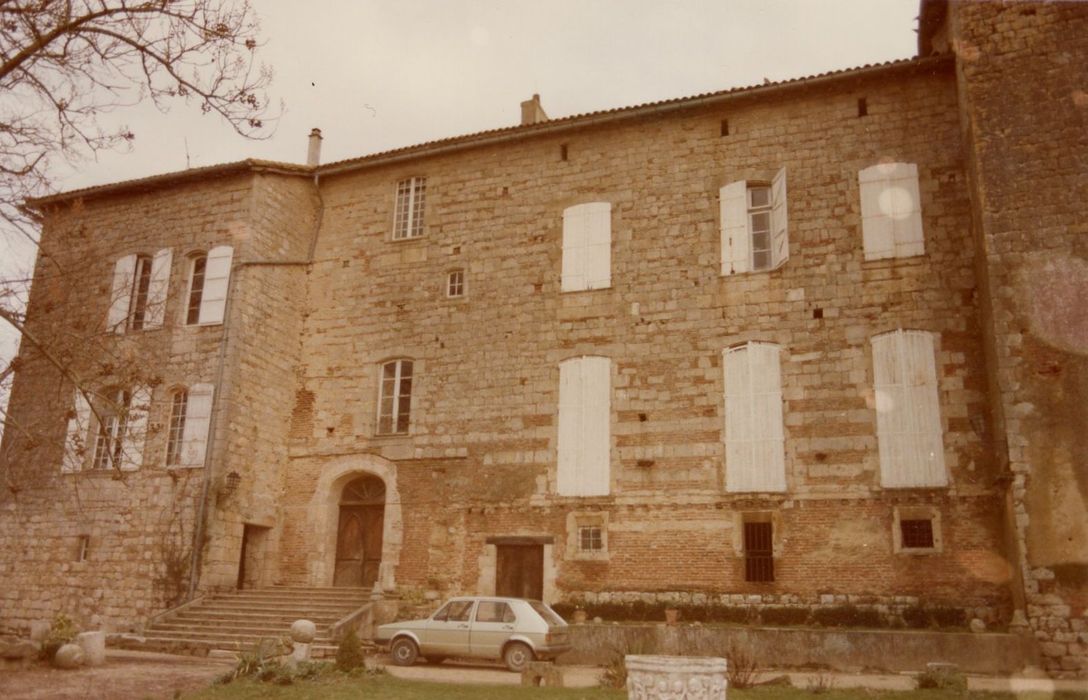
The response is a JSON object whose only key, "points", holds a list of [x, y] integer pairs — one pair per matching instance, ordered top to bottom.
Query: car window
{"points": [[459, 610], [494, 611], [545, 612], [442, 613]]}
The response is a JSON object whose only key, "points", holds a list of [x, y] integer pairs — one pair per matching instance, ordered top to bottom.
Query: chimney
{"points": [[532, 112], [313, 153]]}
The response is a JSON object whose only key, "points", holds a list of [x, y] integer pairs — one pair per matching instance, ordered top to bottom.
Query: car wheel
{"points": [[404, 652], [517, 656], [435, 659]]}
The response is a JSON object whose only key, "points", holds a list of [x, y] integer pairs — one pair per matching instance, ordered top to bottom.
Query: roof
{"points": [[493, 136]]}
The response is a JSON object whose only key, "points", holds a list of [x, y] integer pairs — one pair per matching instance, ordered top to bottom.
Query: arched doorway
{"points": [[359, 533]]}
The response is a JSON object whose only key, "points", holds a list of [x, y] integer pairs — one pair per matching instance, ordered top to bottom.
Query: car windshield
{"points": [[549, 615]]}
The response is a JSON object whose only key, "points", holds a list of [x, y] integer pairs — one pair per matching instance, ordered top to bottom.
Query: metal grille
{"points": [[917, 534], [758, 552]]}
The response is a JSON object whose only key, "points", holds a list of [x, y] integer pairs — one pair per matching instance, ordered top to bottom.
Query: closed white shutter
{"points": [[891, 211], [733, 215], [780, 239], [587, 247], [216, 282], [158, 288], [121, 294], [198, 415], [909, 433], [135, 437], [754, 438], [75, 446], [584, 449]]}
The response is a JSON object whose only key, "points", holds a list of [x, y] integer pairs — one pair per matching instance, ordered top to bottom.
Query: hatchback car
{"points": [[514, 630]]}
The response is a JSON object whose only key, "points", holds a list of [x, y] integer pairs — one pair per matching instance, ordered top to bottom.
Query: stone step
{"points": [[272, 593], [274, 604], [242, 615], [241, 619], [217, 628], [244, 638]]}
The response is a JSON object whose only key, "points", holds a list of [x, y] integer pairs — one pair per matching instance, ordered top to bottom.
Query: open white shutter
{"points": [[906, 208], [733, 215], [598, 232], [780, 239], [216, 282], [158, 288], [121, 294], [198, 416], [596, 426], [135, 437], [754, 442], [75, 446], [569, 447]]}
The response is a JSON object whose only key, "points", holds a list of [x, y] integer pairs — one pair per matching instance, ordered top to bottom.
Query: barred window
{"points": [[411, 198], [395, 400], [916, 534], [589, 539], [758, 552]]}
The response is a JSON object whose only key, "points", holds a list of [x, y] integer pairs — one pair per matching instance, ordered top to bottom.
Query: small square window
{"points": [[455, 284], [917, 534], [589, 539]]}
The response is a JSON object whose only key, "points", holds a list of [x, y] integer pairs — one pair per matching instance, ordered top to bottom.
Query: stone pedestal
{"points": [[93, 645], [675, 678]]}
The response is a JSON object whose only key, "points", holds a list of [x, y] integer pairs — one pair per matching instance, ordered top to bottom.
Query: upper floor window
{"points": [[411, 198], [891, 211], [754, 225], [587, 247], [209, 279], [455, 284], [138, 293], [395, 397], [585, 416], [190, 418], [908, 419], [114, 430], [754, 440]]}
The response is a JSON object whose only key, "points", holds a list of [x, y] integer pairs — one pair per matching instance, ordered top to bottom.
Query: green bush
{"points": [[784, 616], [847, 616], [917, 617], [61, 631], [349, 655], [942, 679]]}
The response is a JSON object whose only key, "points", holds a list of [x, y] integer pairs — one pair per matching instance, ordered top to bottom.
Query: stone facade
{"points": [[321, 296]]}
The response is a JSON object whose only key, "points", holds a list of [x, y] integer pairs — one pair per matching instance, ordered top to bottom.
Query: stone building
{"points": [[809, 343]]}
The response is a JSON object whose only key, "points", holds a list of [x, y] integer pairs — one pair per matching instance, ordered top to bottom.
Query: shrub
{"points": [[784, 616], [846, 616], [917, 617], [61, 631], [349, 655], [259, 663], [740, 668], [942, 678]]}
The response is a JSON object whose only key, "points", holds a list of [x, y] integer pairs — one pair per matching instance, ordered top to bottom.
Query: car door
{"points": [[492, 625], [447, 632]]}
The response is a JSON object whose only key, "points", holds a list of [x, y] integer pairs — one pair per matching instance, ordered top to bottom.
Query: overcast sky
{"points": [[376, 75]]}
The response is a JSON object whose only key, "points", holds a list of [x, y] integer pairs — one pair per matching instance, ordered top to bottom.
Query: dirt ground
{"points": [[126, 676]]}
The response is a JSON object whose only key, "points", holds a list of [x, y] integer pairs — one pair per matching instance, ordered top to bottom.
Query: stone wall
{"points": [[1021, 79]]}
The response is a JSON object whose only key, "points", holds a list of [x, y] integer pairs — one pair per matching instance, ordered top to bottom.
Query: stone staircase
{"points": [[238, 621]]}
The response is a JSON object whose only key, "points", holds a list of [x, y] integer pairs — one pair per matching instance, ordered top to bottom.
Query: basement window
{"points": [[916, 530], [916, 534], [587, 536], [758, 551]]}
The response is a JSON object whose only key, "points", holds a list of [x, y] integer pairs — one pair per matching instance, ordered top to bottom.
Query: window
{"points": [[411, 197], [891, 211], [754, 225], [587, 247], [209, 280], [455, 284], [138, 294], [395, 400], [190, 420], [908, 421], [120, 429], [109, 440], [754, 440], [584, 442], [916, 530], [916, 534], [589, 539], [82, 547], [758, 551], [454, 611], [494, 611]]}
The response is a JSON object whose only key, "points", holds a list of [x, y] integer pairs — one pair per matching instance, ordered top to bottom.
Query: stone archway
{"points": [[323, 517]]}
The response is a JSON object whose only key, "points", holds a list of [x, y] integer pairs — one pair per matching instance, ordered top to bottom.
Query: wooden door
{"points": [[359, 533], [350, 545], [519, 571]]}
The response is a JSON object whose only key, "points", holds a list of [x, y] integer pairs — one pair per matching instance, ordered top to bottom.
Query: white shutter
{"points": [[891, 211], [733, 215], [598, 231], [780, 239], [574, 251], [216, 282], [158, 287], [121, 294], [198, 415], [596, 426], [570, 427], [909, 433], [135, 437], [754, 439], [75, 445]]}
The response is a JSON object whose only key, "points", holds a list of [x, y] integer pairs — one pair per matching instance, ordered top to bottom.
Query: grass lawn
{"points": [[334, 686]]}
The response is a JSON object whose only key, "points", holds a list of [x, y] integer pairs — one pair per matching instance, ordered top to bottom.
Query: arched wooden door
{"points": [[359, 534]]}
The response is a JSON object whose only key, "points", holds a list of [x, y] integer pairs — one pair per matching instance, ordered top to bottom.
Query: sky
{"points": [[376, 75]]}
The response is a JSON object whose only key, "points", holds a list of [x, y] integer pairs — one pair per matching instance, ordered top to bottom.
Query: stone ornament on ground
{"points": [[303, 631], [93, 645], [68, 656], [675, 678]]}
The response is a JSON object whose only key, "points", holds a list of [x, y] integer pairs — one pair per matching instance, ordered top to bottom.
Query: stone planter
{"points": [[675, 678]]}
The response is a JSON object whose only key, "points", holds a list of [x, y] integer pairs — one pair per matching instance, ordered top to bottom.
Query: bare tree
{"points": [[66, 64]]}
